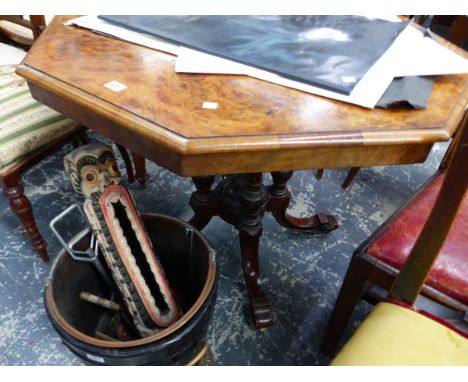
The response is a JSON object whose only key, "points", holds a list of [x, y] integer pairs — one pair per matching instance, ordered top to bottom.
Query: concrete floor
{"points": [[301, 273]]}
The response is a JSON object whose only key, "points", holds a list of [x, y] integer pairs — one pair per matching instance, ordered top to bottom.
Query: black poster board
{"points": [[332, 52]]}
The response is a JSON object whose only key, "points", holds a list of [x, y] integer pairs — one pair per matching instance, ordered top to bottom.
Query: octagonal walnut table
{"points": [[257, 127]]}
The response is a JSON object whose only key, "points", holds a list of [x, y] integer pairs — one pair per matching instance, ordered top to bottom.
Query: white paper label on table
{"points": [[115, 86], [210, 105]]}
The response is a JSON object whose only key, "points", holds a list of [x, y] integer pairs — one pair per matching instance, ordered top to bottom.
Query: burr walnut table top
{"points": [[256, 127]]}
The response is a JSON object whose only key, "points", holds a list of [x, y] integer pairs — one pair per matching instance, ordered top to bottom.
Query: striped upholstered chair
{"points": [[29, 131]]}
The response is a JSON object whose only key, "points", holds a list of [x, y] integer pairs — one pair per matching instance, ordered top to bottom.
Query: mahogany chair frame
{"points": [[36, 24], [139, 162], [10, 178], [10, 181], [365, 271], [410, 281]]}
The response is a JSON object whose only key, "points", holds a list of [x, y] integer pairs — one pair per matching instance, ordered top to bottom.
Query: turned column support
{"points": [[241, 200], [253, 200], [202, 202]]}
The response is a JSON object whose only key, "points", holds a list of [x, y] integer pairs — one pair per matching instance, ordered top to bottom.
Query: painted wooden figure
{"points": [[124, 243]]}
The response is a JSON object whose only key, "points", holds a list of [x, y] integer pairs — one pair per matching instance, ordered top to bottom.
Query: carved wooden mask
{"points": [[92, 168]]}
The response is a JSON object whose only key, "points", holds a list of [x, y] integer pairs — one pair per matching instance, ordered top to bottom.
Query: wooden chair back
{"points": [[36, 24], [411, 278]]}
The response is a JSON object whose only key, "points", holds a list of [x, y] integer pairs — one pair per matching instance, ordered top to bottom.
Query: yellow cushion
{"points": [[395, 336]]}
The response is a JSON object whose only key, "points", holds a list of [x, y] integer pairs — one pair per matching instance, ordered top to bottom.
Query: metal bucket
{"points": [[189, 265]]}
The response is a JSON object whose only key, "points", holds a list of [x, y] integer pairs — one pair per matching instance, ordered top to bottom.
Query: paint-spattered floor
{"points": [[301, 273]]}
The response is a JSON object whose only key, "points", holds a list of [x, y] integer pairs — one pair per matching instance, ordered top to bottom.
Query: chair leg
{"points": [[83, 137], [80, 139], [128, 163], [140, 169], [319, 173], [350, 177], [21, 206], [354, 286]]}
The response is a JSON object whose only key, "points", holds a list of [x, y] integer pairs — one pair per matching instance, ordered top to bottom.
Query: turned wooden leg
{"points": [[83, 137], [80, 139], [128, 163], [140, 169], [350, 177], [253, 200], [202, 201], [279, 202], [21, 206], [352, 290]]}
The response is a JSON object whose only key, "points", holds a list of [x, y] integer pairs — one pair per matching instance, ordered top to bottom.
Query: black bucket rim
{"points": [[186, 317]]}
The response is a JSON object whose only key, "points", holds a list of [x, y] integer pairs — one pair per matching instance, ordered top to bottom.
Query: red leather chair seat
{"points": [[449, 273]]}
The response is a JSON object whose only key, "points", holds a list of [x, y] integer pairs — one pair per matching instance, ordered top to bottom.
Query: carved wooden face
{"points": [[91, 169]]}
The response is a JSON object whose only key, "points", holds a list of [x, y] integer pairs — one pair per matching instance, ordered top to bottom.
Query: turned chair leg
{"points": [[83, 137], [80, 139], [128, 163], [140, 174], [350, 177], [21, 206]]}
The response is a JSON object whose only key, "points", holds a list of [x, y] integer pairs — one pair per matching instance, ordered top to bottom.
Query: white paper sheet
{"points": [[418, 55]]}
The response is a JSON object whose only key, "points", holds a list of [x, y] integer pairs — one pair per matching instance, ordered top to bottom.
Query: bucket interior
{"points": [[185, 257]]}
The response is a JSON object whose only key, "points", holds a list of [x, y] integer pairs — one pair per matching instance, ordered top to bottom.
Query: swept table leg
{"points": [[279, 198], [253, 199], [241, 200], [202, 201]]}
